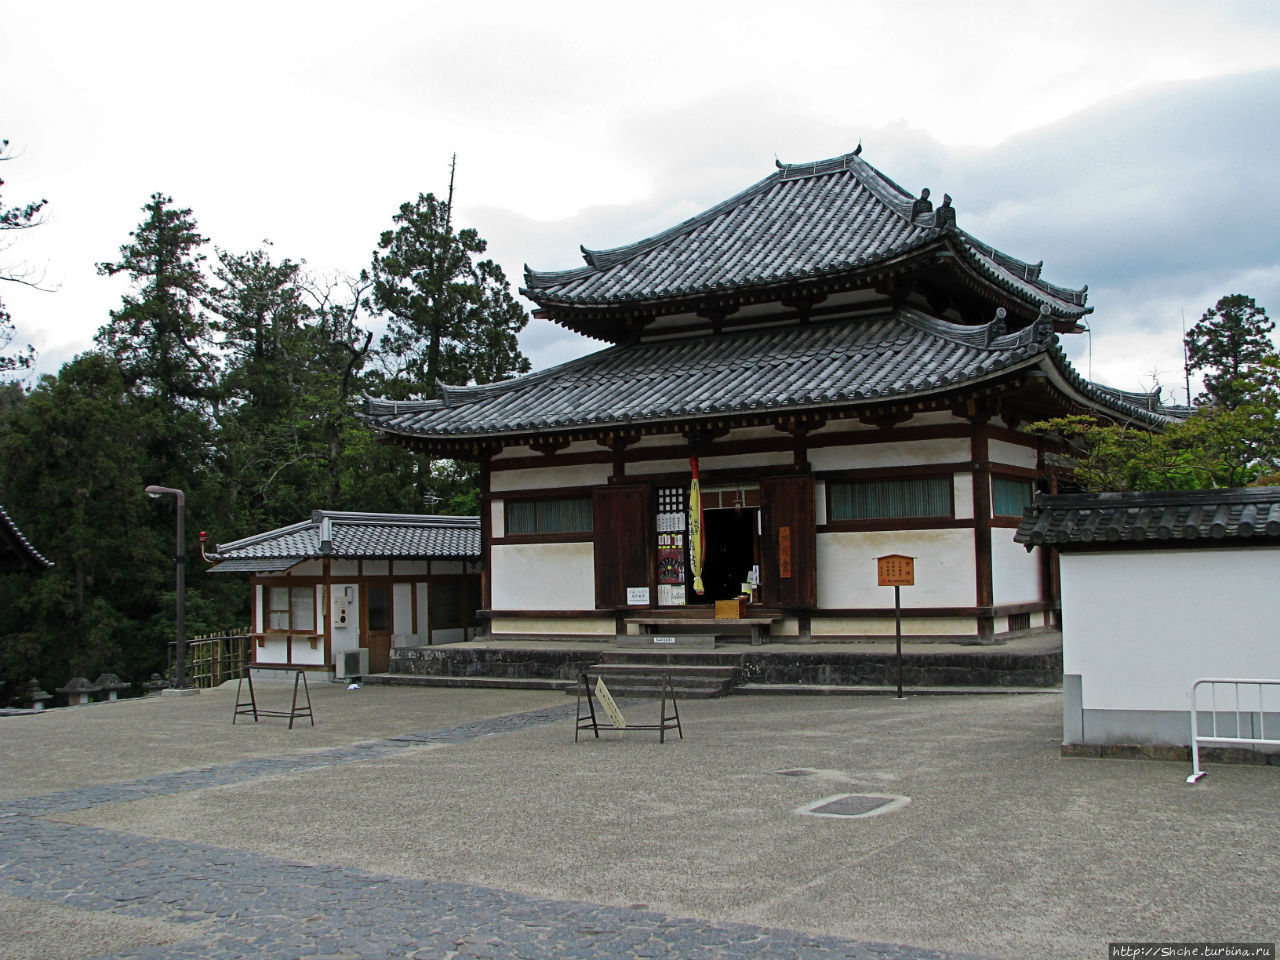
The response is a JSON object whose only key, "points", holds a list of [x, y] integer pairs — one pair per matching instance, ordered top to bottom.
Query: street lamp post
{"points": [[180, 563]]}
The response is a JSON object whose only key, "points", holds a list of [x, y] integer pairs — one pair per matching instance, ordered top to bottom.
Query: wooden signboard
{"points": [[784, 553], [896, 570]]}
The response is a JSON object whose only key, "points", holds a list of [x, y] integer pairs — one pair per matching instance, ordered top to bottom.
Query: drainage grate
{"points": [[850, 806]]}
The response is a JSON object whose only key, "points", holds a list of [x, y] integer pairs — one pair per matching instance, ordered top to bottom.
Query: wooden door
{"points": [[623, 546], [789, 577], [375, 632]]}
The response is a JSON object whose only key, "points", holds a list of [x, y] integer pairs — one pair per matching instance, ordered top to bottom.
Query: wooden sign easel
{"points": [[666, 721]]}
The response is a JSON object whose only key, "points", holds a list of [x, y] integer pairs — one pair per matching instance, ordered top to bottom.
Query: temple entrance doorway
{"points": [[732, 537]]}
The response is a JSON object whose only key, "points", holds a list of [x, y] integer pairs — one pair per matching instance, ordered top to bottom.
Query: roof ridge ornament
{"points": [[922, 205], [945, 216]]}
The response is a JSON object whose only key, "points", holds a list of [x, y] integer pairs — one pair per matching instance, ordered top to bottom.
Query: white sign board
{"points": [[638, 596]]}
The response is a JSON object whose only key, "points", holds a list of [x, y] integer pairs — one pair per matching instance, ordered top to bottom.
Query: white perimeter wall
{"points": [[1140, 627]]}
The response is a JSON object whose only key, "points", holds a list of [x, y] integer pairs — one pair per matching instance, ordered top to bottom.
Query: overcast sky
{"points": [[1130, 145]]}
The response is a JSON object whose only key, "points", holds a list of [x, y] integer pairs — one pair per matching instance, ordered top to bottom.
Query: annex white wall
{"points": [[944, 568], [544, 576], [1139, 627]]}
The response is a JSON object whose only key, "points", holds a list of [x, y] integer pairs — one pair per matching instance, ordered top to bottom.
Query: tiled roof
{"points": [[804, 221], [803, 367], [1085, 521], [347, 535], [16, 552]]}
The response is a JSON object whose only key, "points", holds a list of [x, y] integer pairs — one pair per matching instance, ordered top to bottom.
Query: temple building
{"points": [[846, 371]]}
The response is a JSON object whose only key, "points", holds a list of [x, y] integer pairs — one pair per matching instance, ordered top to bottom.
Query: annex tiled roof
{"points": [[804, 221], [803, 367], [1085, 521], [348, 535], [16, 552]]}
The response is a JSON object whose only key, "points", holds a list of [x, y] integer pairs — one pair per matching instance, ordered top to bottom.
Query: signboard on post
{"points": [[896, 570]]}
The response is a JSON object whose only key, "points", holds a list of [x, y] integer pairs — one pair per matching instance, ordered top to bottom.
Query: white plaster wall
{"points": [[893, 454], [1014, 454], [550, 478], [962, 491], [498, 518], [452, 566], [308, 568], [344, 568], [376, 568], [403, 568], [944, 568], [1015, 573], [544, 576], [259, 609], [402, 609], [424, 611], [886, 626], [552, 627], [1140, 627], [344, 637], [273, 650], [305, 656]]}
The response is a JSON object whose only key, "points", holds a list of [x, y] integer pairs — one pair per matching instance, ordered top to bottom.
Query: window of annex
{"points": [[291, 609]]}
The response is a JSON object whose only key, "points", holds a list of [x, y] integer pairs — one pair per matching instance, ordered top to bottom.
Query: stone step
{"points": [[653, 658], [676, 670], [637, 680], [493, 683]]}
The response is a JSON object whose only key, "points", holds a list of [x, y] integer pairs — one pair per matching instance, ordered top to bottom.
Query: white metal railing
{"points": [[1244, 714]]}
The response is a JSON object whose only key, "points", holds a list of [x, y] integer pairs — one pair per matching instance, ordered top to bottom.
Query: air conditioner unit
{"points": [[351, 663]]}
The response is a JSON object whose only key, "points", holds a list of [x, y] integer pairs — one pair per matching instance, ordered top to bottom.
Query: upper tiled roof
{"points": [[804, 221], [801, 367], [1084, 521], [367, 536], [16, 552]]}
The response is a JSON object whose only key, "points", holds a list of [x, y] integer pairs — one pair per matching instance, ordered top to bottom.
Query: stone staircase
{"points": [[638, 673]]}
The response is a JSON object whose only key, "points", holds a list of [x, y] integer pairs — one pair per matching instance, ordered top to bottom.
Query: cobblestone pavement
{"points": [[236, 903]]}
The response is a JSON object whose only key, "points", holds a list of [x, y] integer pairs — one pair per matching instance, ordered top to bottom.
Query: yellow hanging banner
{"points": [[696, 544]]}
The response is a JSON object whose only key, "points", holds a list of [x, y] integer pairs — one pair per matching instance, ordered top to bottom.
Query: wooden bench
{"points": [[759, 626]]}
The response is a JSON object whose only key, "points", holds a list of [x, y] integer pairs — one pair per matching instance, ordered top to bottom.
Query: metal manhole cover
{"points": [[853, 805]]}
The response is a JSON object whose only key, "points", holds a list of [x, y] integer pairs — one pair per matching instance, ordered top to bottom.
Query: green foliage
{"points": [[450, 319], [160, 337], [1230, 341], [236, 381], [1217, 446]]}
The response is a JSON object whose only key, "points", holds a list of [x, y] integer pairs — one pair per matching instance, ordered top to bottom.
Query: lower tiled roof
{"points": [[861, 361], [1083, 521], [346, 535], [16, 552]]}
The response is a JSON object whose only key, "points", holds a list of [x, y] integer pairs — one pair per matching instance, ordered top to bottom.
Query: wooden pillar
{"points": [[486, 534], [985, 595]]}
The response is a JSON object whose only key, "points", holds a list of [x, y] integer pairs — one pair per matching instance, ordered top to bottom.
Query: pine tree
{"points": [[1230, 341]]}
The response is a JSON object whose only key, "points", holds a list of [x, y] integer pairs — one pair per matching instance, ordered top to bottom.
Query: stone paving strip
{"points": [[239, 904]]}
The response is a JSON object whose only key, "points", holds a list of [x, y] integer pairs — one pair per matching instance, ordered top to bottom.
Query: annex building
{"points": [[849, 374]]}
